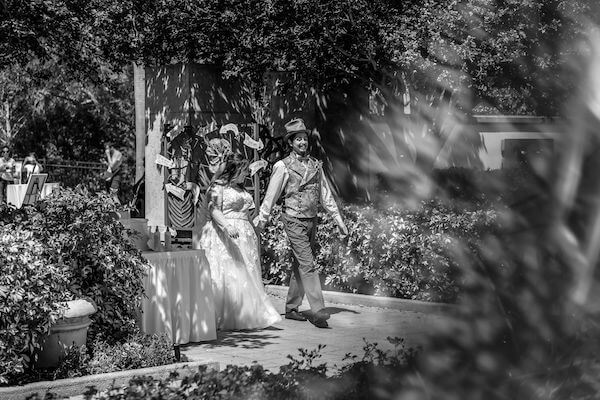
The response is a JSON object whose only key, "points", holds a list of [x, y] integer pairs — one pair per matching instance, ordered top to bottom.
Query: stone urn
{"points": [[70, 330]]}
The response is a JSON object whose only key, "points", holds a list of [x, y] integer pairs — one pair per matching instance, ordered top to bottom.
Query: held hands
{"points": [[258, 224], [341, 226], [343, 229]]}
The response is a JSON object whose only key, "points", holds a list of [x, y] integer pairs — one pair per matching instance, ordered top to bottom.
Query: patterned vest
{"points": [[303, 188]]}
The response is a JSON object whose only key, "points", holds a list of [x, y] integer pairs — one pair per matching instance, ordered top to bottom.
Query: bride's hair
{"points": [[235, 164]]}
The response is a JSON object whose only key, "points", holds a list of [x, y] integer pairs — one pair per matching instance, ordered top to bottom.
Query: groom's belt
{"points": [[298, 216]]}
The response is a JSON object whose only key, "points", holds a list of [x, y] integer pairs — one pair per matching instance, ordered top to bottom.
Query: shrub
{"points": [[81, 236], [396, 252], [31, 288], [138, 351]]}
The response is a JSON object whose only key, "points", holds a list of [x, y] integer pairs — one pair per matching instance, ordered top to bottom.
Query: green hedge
{"points": [[68, 246], [394, 252], [30, 292]]}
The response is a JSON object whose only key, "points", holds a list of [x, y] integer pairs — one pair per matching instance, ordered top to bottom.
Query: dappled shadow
{"points": [[337, 310], [272, 328], [249, 339]]}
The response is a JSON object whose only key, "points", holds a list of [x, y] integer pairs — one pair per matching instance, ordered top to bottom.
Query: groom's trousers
{"points": [[305, 276]]}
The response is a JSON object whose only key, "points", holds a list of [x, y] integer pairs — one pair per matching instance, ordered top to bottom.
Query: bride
{"points": [[231, 248]]}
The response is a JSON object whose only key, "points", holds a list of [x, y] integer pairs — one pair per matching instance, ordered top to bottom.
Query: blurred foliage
{"points": [[471, 189]]}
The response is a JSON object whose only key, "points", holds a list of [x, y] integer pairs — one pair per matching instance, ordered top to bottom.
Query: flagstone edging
{"points": [[373, 301], [77, 386]]}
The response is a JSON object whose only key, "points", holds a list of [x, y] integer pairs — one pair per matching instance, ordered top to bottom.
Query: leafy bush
{"points": [[82, 236], [69, 246], [396, 252], [31, 288], [138, 351]]}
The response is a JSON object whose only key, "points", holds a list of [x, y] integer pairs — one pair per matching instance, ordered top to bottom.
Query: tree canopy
{"points": [[508, 54]]}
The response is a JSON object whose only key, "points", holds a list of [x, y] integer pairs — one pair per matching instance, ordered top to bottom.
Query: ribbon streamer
{"points": [[230, 127], [253, 144], [164, 161], [256, 165], [175, 191]]}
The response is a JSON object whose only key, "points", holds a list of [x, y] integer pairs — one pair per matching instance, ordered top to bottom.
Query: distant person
{"points": [[30, 166], [7, 169], [112, 176]]}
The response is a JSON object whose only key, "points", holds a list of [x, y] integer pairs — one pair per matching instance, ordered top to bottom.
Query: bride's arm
{"points": [[215, 204]]}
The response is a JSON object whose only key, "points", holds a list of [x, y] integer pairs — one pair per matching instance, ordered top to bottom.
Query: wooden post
{"points": [[139, 89], [255, 178], [177, 351]]}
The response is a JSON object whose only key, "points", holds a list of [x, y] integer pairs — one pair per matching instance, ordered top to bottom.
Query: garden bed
{"points": [[77, 386]]}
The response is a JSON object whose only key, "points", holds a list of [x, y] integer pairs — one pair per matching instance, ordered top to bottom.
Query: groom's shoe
{"points": [[322, 314], [295, 315], [319, 319], [319, 323]]}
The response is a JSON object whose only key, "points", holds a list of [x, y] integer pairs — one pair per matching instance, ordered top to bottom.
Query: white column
{"points": [[139, 90]]}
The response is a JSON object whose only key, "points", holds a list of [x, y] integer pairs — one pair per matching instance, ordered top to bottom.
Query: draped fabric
{"points": [[179, 296]]}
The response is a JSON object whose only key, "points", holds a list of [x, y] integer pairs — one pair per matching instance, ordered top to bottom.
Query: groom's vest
{"points": [[303, 188]]}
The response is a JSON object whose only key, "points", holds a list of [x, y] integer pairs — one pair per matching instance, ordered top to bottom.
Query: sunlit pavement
{"points": [[349, 327]]}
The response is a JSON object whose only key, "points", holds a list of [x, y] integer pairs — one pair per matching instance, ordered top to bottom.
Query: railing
{"points": [[72, 173]]}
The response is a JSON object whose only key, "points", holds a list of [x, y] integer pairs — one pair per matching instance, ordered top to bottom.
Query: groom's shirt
{"points": [[300, 180]]}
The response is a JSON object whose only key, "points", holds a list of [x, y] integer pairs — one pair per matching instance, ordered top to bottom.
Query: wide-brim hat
{"points": [[293, 127]]}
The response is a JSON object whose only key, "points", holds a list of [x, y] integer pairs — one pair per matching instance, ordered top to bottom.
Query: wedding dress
{"points": [[240, 298]]}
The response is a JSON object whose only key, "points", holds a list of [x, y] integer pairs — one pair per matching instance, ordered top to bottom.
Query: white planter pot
{"points": [[70, 330]]}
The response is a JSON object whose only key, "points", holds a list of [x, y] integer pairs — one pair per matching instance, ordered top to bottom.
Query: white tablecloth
{"points": [[15, 194], [179, 297]]}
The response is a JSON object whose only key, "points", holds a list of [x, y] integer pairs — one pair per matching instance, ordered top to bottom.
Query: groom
{"points": [[300, 180]]}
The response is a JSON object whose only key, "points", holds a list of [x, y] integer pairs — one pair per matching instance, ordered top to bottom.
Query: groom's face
{"points": [[299, 143]]}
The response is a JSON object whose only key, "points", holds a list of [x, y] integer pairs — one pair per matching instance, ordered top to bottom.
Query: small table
{"points": [[15, 194], [179, 298]]}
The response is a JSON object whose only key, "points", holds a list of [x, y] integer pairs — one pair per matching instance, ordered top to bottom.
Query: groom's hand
{"points": [[259, 225], [343, 229]]}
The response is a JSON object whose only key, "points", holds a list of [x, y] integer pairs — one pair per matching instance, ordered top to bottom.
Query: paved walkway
{"points": [[349, 326]]}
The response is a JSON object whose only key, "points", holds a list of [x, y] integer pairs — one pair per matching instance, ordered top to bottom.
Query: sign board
{"points": [[34, 188]]}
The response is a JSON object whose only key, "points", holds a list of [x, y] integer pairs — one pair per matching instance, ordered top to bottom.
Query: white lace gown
{"points": [[239, 294]]}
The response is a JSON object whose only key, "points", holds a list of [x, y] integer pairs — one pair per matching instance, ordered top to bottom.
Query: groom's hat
{"points": [[293, 127]]}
